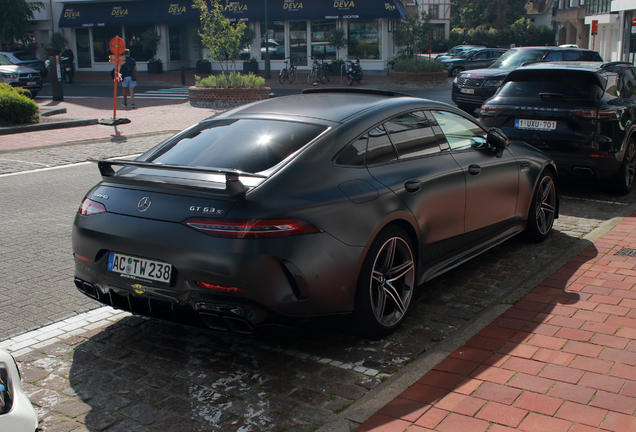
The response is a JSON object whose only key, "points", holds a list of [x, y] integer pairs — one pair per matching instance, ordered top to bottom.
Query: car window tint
{"points": [[571, 55], [25, 56], [554, 56], [4, 61], [566, 84], [627, 85], [459, 131], [412, 135], [245, 145], [379, 148], [354, 153]]}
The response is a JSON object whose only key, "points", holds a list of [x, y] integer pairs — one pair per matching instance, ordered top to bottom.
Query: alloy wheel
{"points": [[545, 205]]}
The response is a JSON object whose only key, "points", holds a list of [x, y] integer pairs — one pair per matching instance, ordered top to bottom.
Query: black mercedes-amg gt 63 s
{"points": [[336, 201]]}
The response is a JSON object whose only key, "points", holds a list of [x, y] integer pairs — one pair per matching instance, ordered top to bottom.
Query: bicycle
{"points": [[318, 72], [287, 73]]}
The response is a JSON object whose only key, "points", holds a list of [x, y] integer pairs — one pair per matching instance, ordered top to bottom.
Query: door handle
{"points": [[525, 166], [474, 169], [413, 185]]}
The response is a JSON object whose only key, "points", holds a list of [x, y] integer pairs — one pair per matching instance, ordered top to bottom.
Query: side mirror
{"points": [[497, 139]]}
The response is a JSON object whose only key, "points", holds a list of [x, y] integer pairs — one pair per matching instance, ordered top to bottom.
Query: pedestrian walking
{"points": [[128, 78]]}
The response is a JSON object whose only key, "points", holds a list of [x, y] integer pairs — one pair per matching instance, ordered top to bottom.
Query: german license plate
{"points": [[30, 82], [467, 90], [535, 124], [136, 267]]}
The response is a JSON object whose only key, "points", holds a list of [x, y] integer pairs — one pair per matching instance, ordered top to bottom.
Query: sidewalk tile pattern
{"points": [[562, 359]]}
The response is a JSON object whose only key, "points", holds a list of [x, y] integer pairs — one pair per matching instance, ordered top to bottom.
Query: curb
{"points": [[47, 126], [372, 402]]}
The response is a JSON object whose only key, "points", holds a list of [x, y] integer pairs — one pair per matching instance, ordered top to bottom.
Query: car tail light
{"points": [[490, 110], [90, 207], [252, 228], [81, 258], [219, 287]]}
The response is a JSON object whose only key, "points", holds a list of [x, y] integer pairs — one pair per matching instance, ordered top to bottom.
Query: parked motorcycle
{"points": [[66, 66], [354, 72]]}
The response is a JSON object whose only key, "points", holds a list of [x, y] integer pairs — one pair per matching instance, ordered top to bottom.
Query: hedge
{"points": [[16, 107]]}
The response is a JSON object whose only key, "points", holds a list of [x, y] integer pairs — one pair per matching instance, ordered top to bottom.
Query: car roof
{"points": [[551, 48], [589, 66], [333, 105]]}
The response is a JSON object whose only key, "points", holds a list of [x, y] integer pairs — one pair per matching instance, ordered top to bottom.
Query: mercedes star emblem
{"points": [[144, 203]]}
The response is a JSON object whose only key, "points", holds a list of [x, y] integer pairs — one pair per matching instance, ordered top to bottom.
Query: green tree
{"points": [[497, 14], [16, 17], [413, 32], [218, 34]]}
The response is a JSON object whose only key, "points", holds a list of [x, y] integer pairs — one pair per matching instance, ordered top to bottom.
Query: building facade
{"points": [[294, 29]]}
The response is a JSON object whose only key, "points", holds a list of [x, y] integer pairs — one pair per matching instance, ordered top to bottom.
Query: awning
{"points": [[126, 13]]}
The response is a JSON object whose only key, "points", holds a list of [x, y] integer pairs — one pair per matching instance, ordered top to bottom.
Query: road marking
{"points": [[596, 201]]}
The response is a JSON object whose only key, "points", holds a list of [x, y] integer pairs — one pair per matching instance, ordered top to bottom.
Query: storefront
{"points": [[294, 28]]}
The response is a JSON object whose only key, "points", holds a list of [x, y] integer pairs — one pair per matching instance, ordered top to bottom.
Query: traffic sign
{"points": [[634, 21], [594, 26], [117, 46], [117, 60]]}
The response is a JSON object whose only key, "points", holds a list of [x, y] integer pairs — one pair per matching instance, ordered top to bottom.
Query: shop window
{"points": [[177, 35], [134, 38], [274, 38], [365, 39], [101, 42], [298, 42], [320, 47], [83, 48]]}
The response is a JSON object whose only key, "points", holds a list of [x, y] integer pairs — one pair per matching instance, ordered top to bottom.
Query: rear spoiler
{"points": [[233, 185]]}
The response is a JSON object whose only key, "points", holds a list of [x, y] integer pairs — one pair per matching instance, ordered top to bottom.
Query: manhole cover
{"points": [[627, 252]]}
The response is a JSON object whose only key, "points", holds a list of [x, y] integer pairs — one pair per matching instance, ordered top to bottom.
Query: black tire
{"points": [[455, 72], [292, 74], [281, 76], [311, 76], [322, 76], [68, 78], [349, 79], [33, 94], [624, 178], [543, 208], [385, 285]]}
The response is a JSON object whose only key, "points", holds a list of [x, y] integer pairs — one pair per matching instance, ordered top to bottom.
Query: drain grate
{"points": [[627, 252]]}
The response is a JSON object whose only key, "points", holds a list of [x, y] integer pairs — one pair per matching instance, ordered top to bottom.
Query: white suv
{"points": [[20, 76]]}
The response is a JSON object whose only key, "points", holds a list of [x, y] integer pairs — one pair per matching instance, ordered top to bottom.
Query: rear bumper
{"points": [[281, 280]]}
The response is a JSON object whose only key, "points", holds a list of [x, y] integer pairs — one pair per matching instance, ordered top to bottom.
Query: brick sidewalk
{"points": [[560, 360]]}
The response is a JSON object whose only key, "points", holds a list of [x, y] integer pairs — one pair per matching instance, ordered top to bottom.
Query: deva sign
{"points": [[343, 4], [292, 5], [176, 9], [118, 11], [71, 14]]}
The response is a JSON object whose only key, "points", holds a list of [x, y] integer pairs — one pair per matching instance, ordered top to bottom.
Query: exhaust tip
{"points": [[583, 172]]}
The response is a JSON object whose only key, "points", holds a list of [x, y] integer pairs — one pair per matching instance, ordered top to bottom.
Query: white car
{"points": [[20, 76], [16, 412]]}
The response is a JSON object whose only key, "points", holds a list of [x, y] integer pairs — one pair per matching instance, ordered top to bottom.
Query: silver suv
{"points": [[20, 76]]}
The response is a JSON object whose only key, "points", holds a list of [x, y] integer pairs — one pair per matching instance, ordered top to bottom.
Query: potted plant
{"points": [[149, 42], [155, 66], [204, 66], [250, 66], [336, 68]]}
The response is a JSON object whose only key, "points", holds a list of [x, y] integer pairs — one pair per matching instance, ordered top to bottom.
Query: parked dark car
{"points": [[456, 50], [474, 59], [472, 88], [583, 115], [336, 201]]}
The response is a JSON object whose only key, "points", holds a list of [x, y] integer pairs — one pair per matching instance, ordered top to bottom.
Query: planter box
{"points": [[155, 67], [204, 67], [250, 67], [338, 70], [418, 76], [218, 98]]}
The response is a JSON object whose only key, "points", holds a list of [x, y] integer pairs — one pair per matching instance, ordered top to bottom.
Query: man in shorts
{"points": [[128, 71]]}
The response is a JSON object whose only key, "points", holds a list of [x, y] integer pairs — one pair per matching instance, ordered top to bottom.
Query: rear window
{"points": [[24, 56], [514, 58], [554, 84], [245, 145]]}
